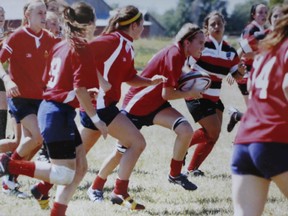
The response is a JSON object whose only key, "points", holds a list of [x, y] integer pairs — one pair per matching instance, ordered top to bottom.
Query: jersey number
{"points": [[54, 72], [261, 80]]}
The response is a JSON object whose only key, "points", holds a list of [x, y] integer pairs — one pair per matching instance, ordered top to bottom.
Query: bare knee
{"points": [[184, 130], [213, 135], [38, 140], [139, 145]]}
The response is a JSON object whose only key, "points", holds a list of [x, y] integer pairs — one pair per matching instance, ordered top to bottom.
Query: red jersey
{"points": [[27, 52], [114, 57], [218, 60], [68, 70], [144, 100], [266, 118]]}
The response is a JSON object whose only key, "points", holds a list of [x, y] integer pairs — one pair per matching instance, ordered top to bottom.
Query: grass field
{"points": [[149, 184]]}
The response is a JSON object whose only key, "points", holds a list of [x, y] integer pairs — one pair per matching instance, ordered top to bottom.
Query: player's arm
{"points": [[138, 81], [104, 84], [10, 86], [170, 93], [85, 102]]}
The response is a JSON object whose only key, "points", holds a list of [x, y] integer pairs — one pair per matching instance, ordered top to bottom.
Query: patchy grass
{"points": [[149, 184]]}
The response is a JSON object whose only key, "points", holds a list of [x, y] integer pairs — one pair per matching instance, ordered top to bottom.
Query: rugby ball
{"points": [[196, 80]]}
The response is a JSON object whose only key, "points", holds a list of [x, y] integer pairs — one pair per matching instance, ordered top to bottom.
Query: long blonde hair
{"points": [[279, 33]]}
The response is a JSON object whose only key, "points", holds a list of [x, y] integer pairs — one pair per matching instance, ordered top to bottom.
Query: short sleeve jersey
{"points": [[255, 30], [27, 53], [114, 57], [218, 60], [168, 62], [68, 70], [266, 118]]}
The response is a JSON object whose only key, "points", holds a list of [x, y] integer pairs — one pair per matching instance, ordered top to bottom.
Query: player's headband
{"points": [[127, 22], [190, 34]]}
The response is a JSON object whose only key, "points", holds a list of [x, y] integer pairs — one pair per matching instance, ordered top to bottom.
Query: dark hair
{"points": [[253, 10], [78, 16], [208, 17], [123, 18], [77, 19]]}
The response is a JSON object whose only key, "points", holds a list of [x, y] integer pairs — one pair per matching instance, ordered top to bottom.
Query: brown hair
{"points": [[208, 17], [123, 18], [77, 19], [279, 33]]}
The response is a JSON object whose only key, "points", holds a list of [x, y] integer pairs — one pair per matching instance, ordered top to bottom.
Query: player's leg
{"points": [[172, 119]]}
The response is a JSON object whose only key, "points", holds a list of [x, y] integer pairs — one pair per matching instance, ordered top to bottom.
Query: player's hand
{"points": [[156, 79], [230, 79], [12, 89]]}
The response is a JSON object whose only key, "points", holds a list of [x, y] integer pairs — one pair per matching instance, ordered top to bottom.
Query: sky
{"points": [[160, 6], [14, 7]]}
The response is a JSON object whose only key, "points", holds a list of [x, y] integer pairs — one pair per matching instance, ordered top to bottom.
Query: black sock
{"points": [[3, 123]]}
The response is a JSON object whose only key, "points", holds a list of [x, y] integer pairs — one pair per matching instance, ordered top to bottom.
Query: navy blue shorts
{"points": [[2, 86], [22, 107], [201, 108], [106, 114], [147, 120], [59, 130], [260, 159]]}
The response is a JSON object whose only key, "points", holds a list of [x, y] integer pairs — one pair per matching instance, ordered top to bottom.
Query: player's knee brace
{"points": [[178, 121], [120, 148], [61, 175]]}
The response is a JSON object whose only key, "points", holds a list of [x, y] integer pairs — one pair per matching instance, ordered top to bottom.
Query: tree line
{"points": [[196, 10]]}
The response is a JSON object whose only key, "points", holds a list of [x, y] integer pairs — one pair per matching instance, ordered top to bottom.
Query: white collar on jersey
{"points": [[259, 26], [37, 39], [129, 44], [216, 44]]}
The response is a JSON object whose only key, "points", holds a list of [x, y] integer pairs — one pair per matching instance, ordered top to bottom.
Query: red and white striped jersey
{"points": [[218, 60]]}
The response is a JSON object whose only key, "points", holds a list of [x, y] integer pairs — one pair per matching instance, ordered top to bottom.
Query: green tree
{"points": [[273, 2], [190, 11], [240, 17]]}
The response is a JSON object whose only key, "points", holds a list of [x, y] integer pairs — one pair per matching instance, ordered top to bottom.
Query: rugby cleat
{"points": [[183, 181], [95, 195], [43, 200], [126, 202]]}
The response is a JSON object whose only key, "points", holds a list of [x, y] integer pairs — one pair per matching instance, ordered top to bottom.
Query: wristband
{"points": [[2, 77], [95, 118]]}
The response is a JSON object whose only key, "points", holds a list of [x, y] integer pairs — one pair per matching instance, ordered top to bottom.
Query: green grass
{"points": [[146, 48], [149, 184]]}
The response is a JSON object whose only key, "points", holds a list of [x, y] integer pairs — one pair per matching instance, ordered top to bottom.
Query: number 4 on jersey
{"points": [[261, 80]]}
